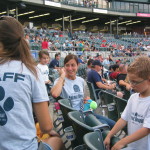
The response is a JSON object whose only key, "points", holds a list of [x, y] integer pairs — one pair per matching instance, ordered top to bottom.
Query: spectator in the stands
{"points": [[45, 44], [100, 58], [110, 58], [80, 59], [43, 62], [118, 62], [106, 63], [54, 64], [89, 65], [113, 75], [122, 76], [95, 78], [70, 86], [23, 91]]}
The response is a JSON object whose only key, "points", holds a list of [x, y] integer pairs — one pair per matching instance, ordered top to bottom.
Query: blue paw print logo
{"points": [[7, 106]]}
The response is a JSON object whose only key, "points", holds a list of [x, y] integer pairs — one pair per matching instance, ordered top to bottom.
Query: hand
{"points": [[62, 72], [47, 82], [112, 86], [128, 87], [120, 94], [86, 99], [53, 133], [107, 143], [118, 146]]}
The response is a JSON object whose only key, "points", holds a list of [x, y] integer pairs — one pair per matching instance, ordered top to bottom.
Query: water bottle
{"points": [[103, 112]]}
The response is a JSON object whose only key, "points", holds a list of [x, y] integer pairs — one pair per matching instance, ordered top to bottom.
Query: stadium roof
{"points": [[48, 14]]}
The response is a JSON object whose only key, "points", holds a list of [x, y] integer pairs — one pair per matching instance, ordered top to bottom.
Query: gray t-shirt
{"points": [[19, 88], [74, 91]]}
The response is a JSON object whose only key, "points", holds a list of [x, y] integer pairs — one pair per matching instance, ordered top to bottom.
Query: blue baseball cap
{"points": [[96, 62]]}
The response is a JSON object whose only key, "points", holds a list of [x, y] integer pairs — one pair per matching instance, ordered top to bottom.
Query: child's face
{"points": [[44, 60], [138, 84]]}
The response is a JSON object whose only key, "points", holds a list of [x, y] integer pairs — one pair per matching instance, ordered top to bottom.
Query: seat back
{"points": [[93, 92], [127, 94], [110, 103], [120, 104], [65, 107], [83, 124], [94, 141]]}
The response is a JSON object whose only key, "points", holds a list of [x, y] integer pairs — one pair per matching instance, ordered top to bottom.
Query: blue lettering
{"points": [[8, 75], [14, 76], [19, 77]]}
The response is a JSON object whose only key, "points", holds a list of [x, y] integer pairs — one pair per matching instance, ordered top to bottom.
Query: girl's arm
{"points": [[57, 88], [42, 113]]}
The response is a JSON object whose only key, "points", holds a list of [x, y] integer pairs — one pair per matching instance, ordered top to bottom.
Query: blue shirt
{"points": [[80, 61], [54, 63], [93, 77]]}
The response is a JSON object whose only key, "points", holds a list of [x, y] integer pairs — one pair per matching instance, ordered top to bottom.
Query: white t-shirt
{"points": [[44, 70], [19, 88], [74, 91], [137, 114]]}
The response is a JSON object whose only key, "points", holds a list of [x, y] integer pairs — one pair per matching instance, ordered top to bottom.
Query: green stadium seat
{"points": [[93, 92], [84, 123], [94, 140]]}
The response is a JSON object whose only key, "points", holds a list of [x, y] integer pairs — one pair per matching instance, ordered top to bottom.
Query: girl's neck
{"points": [[71, 78]]}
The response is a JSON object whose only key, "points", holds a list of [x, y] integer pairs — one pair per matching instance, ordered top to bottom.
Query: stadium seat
{"points": [[94, 92], [110, 103], [120, 104], [66, 107], [84, 123], [94, 140]]}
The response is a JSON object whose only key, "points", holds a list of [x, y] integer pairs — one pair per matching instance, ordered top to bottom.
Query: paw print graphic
{"points": [[7, 106]]}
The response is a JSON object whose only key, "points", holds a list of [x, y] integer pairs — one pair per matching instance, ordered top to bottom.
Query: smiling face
{"points": [[44, 60], [71, 68], [139, 85]]}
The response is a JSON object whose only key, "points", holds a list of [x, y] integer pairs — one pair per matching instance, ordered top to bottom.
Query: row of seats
{"points": [[83, 123]]}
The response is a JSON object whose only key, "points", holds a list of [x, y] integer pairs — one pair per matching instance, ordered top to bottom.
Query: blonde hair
{"points": [[140, 67]]}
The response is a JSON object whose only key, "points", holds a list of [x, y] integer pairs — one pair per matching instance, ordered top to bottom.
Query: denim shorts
{"points": [[46, 146]]}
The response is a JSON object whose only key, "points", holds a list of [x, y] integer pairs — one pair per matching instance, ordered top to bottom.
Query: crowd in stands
{"points": [[54, 40], [23, 91]]}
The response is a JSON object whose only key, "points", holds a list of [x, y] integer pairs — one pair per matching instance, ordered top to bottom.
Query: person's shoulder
{"points": [[39, 65], [79, 78], [134, 97]]}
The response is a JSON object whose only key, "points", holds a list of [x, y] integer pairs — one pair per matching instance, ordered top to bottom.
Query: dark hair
{"points": [[15, 46], [43, 52], [57, 54], [69, 57], [90, 61], [114, 67]]}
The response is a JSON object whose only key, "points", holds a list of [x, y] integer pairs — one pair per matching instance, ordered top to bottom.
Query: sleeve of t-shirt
{"points": [[97, 77], [38, 88], [126, 112], [146, 123]]}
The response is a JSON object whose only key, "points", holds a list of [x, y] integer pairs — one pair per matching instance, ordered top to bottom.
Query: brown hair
{"points": [[14, 45], [43, 52], [69, 57], [140, 67]]}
